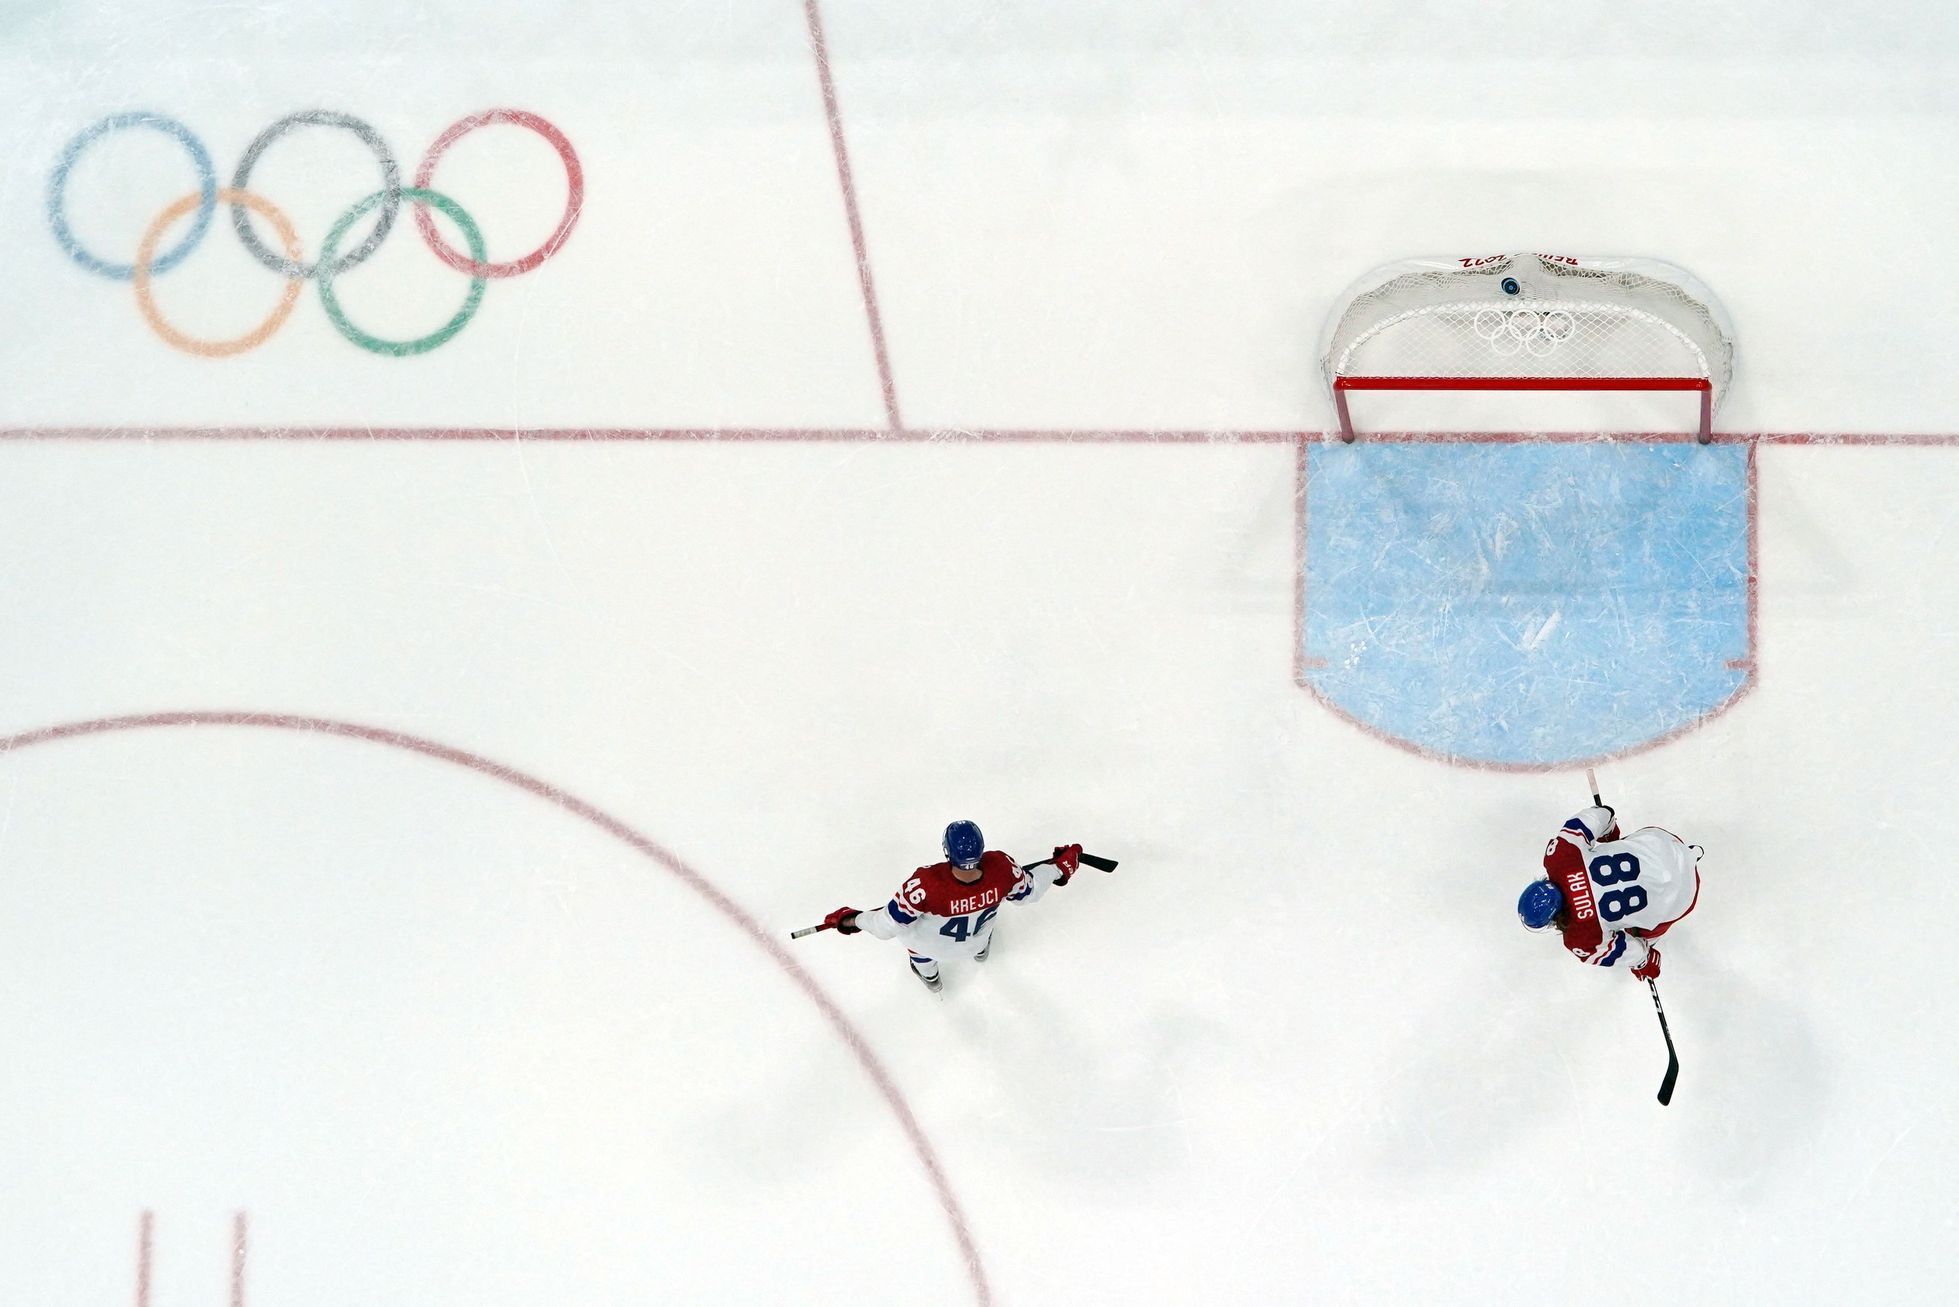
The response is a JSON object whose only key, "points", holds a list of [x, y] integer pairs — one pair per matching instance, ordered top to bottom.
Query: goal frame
{"points": [[1681, 341], [1343, 384]]}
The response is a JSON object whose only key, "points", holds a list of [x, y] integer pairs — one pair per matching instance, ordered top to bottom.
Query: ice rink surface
{"points": [[413, 760]]}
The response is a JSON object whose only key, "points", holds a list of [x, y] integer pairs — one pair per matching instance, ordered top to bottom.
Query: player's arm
{"points": [[1594, 824], [1565, 854], [1030, 883], [897, 917], [887, 922], [1619, 948], [1633, 953]]}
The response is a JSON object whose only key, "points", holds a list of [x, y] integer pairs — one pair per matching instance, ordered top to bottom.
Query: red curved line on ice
{"points": [[1560, 764], [693, 880]]}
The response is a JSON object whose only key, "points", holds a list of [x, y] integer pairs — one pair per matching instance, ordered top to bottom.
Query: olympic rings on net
{"points": [[207, 187], [574, 193], [330, 264], [1513, 331], [258, 335], [422, 344]]}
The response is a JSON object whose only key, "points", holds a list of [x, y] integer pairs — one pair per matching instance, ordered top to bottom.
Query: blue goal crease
{"points": [[1526, 604]]}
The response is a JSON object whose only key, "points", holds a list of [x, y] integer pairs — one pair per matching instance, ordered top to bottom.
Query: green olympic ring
{"points": [[206, 198], [328, 272]]}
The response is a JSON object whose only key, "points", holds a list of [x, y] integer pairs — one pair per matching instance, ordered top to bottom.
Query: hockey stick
{"points": [[1088, 860], [1100, 864], [1673, 1058]]}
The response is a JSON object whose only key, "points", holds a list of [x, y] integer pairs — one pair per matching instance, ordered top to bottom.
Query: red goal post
{"points": [[1528, 322]]}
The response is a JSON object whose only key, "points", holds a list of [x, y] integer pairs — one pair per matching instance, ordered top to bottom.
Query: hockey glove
{"points": [[1068, 861], [843, 921], [1649, 969]]}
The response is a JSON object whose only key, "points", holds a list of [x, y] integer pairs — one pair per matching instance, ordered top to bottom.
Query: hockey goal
{"points": [[1529, 322]]}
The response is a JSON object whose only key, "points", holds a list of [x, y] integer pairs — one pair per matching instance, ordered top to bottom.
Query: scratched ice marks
{"points": [[1527, 605]]}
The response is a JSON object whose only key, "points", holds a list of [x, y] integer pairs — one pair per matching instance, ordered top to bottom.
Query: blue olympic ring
{"points": [[207, 185]]}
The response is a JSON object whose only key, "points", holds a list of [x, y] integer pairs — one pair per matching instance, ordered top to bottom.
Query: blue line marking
{"points": [[1526, 604]]}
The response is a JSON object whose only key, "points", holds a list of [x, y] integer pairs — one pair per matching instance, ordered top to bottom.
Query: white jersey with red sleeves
{"points": [[1619, 891], [938, 915]]}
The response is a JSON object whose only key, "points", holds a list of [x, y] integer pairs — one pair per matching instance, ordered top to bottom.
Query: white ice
{"points": [[447, 1042]]}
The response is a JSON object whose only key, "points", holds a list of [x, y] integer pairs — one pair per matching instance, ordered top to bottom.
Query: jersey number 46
{"points": [[960, 927]]}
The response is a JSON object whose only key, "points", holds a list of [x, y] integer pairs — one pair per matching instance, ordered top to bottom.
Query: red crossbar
{"points": [[1341, 385]]}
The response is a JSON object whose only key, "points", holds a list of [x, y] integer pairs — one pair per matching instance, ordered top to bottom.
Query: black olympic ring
{"points": [[390, 185], [201, 203]]}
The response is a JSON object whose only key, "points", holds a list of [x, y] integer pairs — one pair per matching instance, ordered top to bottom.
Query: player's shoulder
{"points": [[1654, 833], [1562, 847], [998, 871], [932, 876], [941, 880], [938, 889], [925, 890], [935, 890]]}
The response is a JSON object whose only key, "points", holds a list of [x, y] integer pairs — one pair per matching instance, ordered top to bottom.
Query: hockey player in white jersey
{"points": [[1610, 895], [947, 909]]}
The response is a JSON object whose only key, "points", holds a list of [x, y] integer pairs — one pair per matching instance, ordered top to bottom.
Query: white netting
{"points": [[1572, 318]]}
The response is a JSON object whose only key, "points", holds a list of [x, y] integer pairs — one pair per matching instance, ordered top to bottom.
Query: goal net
{"points": [[1529, 322]]}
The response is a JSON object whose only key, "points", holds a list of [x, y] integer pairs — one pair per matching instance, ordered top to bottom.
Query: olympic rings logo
{"points": [[331, 263], [1528, 331]]}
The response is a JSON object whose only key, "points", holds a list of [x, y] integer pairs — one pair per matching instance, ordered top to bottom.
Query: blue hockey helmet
{"points": [[963, 845], [1539, 905]]}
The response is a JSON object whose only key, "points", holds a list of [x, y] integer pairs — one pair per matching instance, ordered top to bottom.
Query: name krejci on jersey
{"points": [[960, 907]]}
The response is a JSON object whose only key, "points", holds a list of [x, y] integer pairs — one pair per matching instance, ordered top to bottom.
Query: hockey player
{"points": [[1609, 895], [947, 909]]}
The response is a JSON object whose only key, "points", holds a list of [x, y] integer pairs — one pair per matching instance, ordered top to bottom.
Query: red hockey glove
{"points": [[1068, 860], [843, 921], [1649, 969]]}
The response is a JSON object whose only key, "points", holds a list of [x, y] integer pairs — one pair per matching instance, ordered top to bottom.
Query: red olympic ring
{"points": [[574, 197]]}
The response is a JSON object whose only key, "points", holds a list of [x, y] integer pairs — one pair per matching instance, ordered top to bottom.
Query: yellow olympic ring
{"points": [[212, 349]]}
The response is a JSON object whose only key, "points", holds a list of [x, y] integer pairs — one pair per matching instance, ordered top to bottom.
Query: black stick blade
{"points": [[1100, 864], [1673, 1058]]}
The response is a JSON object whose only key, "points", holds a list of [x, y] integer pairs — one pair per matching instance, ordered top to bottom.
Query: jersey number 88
{"points": [[1610, 869]]}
